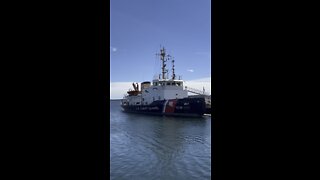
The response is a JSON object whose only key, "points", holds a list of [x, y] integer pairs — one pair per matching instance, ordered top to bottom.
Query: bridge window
{"points": [[168, 83], [178, 84]]}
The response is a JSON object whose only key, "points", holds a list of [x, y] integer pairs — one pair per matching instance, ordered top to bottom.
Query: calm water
{"points": [[156, 147]]}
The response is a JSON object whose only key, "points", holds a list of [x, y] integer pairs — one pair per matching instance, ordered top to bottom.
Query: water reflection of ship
{"points": [[173, 137]]}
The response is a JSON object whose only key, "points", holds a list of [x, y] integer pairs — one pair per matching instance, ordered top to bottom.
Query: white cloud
{"points": [[113, 49], [190, 70], [206, 79], [200, 84], [119, 89]]}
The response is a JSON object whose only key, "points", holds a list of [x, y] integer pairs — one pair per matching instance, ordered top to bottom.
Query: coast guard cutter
{"points": [[164, 95]]}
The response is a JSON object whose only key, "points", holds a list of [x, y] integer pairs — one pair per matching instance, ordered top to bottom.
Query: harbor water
{"points": [[158, 147]]}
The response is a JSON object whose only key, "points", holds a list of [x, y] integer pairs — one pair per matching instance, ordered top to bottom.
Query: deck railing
{"points": [[196, 91]]}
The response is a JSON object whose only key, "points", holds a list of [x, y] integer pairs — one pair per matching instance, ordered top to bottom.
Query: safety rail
{"points": [[196, 91]]}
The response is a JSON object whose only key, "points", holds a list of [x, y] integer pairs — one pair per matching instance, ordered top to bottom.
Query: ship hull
{"points": [[188, 107]]}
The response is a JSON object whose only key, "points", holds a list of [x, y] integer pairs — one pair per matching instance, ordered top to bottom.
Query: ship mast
{"points": [[163, 55], [163, 59], [173, 74]]}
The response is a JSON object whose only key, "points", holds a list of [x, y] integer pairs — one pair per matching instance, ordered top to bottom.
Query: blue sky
{"points": [[139, 27]]}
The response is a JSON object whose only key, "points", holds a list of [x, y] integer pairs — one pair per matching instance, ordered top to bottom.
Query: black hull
{"points": [[189, 107], [208, 111]]}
